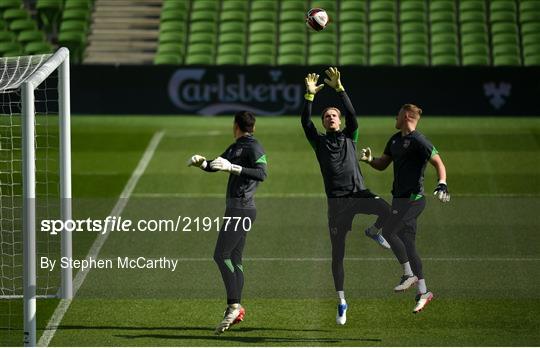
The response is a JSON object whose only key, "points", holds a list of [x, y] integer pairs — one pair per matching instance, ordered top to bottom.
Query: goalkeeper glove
{"points": [[333, 79], [311, 86], [365, 155], [197, 161], [224, 165], [441, 192]]}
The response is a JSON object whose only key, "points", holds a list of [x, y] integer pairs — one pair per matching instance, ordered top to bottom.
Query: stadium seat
{"points": [[7, 4], [78, 4], [175, 4], [205, 5], [263, 6], [293, 6], [329, 6], [353, 6], [418, 6], [442, 6], [465, 6], [502, 6], [15, 13], [77, 14], [173, 16], [232, 16], [381, 16], [296, 17], [352, 17], [412, 17], [444, 17], [472, 17], [498, 17], [23, 24], [74, 25], [172, 27], [202, 27], [232, 27], [262, 27], [290, 27], [413, 28], [443, 28], [504, 28], [530, 28], [7, 36], [30, 36], [172, 37], [202, 38], [232, 38], [262, 38], [293, 38], [322, 38], [383, 38], [412, 38], [444, 38], [474, 38], [40, 47], [8, 48], [171, 48], [201, 48], [231, 48], [262, 48], [292, 48], [325, 49], [352, 49], [383, 49], [443, 49], [414, 50], [475, 50], [506, 50], [532, 50], [167, 59], [199, 59], [230, 59], [260, 59], [291, 59], [323, 59], [352, 59], [379, 60], [415, 60], [444, 60], [481, 60], [504, 60], [531, 60]]}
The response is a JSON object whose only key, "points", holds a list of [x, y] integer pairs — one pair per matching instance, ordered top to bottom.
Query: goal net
{"points": [[35, 184]]}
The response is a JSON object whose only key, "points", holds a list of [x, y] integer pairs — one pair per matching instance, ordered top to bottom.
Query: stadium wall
{"points": [[215, 90]]}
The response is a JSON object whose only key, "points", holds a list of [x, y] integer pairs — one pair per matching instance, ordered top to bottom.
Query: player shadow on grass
{"points": [[177, 328]]}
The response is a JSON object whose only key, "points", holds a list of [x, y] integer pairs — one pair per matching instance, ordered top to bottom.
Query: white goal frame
{"points": [[60, 61]]}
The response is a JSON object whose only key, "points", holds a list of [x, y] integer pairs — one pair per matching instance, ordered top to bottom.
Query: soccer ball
{"points": [[317, 19]]}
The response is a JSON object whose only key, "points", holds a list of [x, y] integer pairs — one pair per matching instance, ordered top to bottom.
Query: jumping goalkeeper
{"points": [[245, 160], [346, 191]]}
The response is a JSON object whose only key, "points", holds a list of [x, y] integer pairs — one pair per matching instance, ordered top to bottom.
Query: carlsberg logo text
{"points": [[194, 90]]}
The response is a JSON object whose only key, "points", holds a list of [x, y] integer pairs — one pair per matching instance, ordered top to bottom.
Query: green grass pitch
{"points": [[481, 251]]}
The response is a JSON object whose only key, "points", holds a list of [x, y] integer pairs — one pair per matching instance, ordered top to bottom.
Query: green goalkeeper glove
{"points": [[333, 79], [311, 86], [365, 155], [197, 161], [224, 165]]}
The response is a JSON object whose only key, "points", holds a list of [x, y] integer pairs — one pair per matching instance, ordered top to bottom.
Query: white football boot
{"points": [[374, 233], [405, 283], [422, 300], [233, 314], [341, 316]]}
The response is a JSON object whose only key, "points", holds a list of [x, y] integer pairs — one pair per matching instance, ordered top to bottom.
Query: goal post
{"points": [[22, 146]]}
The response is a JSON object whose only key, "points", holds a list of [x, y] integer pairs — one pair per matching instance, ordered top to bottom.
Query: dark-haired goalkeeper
{"points": [[410, 151], [245, 160], [346, 192]]}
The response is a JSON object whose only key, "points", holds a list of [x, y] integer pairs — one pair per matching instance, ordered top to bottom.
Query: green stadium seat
{"points": [[6, 4], [79, 4], [175, 4], [205, 5], [382, 5], [237, 6], [264, 6], [298, 6], [329, 6], [353, 6], [417, 6], [442, 6], [472, 6], [502, 6], [525, 6], [15, 13], [76, 14], [173, 16], [203, 16], [231, 16], [260, 16], [292, 16], [381, 16], [355, 17], [412, 17], [444, 17], [472, 17], [502, 17], [529, 17], [23, 24], [74, 25], [172, 27], [203, 27], [232, 27], [262, 27], [290, 27], [352, 28], [383, 28], [413, 28], [443, 28], [473, 28], [504, 28], [530, 28], [7, 36], [30, 36], [171, 37], [202, 38], [232, 38], [262, 38], [293, 38], [322, 38], [383, 38], [412, 38], [443, 38], [474, 38], [348, 39], [504, 39], [530, 39], [10, 47], [39, 47], [171, 48], [201, 48], [232, 48], [262, 48], [292, 48], [323, 49], [353, 49], [383, 49], [443, 49], [414, 50], [475, 50], [506, 50], [532, 50], [167, 59], [199, 59], [230, 59], [260, 59], [291, 59], [352, 59], [326, 60], [382, 60], [414, 60], [444, 60], [481, 60], [504, 60], [531, 60]]}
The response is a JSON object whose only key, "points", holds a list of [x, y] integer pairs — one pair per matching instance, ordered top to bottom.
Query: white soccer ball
{"points": [[317, 19]]}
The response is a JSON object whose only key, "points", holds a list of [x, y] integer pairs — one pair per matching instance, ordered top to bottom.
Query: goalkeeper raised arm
{"points": [[410, 151], [245, 160], [343, 181]]}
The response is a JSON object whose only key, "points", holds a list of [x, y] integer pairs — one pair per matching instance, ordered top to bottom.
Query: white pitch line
{"points": [[314, 195], [121, 203]]}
